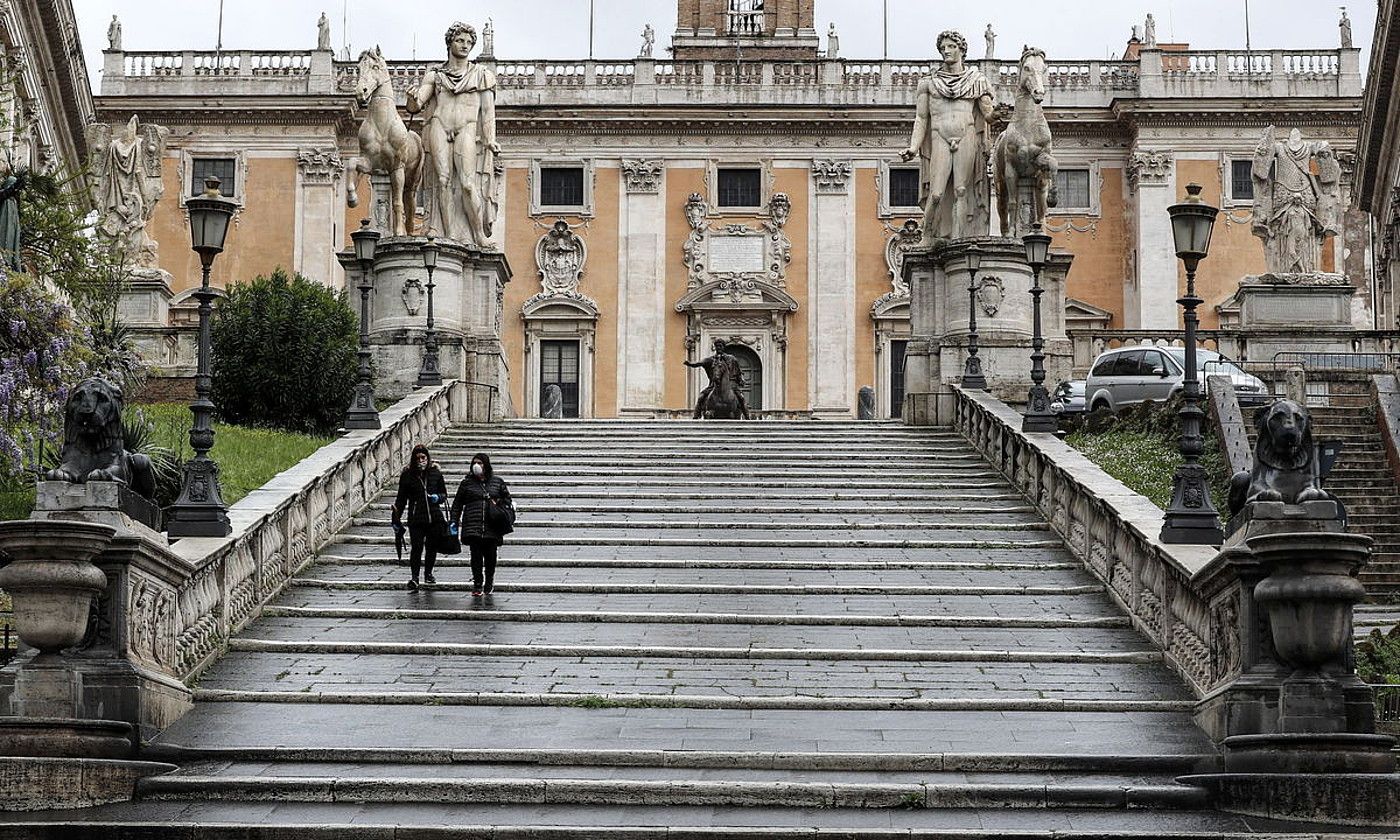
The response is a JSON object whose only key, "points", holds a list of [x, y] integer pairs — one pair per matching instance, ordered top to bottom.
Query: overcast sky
{"points": [[559, 28]]}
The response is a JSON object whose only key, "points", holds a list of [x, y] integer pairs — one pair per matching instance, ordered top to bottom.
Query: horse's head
{"points": [[373, 71], [1035, 73]]}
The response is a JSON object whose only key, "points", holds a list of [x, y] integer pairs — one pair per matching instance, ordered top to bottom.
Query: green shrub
{"points": [[284, 355], [1378, 657]]}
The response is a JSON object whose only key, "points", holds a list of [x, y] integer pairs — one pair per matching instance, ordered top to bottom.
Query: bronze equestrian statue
{"points": [[721, 399]]}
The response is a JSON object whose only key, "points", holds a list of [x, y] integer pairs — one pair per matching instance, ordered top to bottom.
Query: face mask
{"points": [[478, 470]]}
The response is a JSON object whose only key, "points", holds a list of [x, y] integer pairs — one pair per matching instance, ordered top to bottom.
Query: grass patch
{"points": [[1140, 449], [248, 458], [16, 504]]}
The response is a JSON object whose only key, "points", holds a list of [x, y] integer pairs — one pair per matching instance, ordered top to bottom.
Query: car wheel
{"points": [[1101, 405]]}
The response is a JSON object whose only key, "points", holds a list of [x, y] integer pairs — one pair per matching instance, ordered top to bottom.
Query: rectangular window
{"points": [[221, 168], [1242, 180], [561, 186], [740, 187], [904, 187], [1073, 188], [897, 349], [559, 366]]}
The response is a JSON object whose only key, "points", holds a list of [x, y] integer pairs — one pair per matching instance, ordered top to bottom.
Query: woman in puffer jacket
{"points": [[422, 492], [485, 514]]}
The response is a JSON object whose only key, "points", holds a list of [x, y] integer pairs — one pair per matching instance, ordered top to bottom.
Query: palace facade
{"points": [[748, 187]]}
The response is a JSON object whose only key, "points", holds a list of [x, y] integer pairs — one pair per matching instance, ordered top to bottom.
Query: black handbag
{"points": [[500, 517], [446, 541]]}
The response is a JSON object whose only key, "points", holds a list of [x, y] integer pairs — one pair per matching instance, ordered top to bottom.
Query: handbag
{"points": [[501, 518], [446, 540]]}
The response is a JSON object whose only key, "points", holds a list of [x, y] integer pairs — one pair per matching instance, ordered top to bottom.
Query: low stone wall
{"points": [[1183, 598]]}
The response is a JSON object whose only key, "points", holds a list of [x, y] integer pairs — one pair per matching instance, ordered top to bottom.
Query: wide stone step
{"points": [[518, 458], [739, 473], [742, 486], [982, 493], [546, 505], [814, 519], [698, 537], [358, 556], [775, 556], [505, 587]]}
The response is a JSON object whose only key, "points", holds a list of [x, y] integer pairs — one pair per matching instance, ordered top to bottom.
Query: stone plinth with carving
{"points": [[937, 279], [469, 288], [1280, 310]]}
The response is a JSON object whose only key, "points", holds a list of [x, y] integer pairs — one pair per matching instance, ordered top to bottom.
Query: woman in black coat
{"points": [[422, 493], [486, 514]]}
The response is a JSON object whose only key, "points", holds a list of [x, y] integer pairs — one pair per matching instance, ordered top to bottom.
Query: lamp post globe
{"points": [[430, 374], [362, 413], [1038, 416], [200, 510], [1191, 517]]}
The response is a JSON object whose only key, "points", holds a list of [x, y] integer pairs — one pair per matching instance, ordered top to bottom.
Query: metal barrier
{"points": [[1356, 362], [1387, 707]]}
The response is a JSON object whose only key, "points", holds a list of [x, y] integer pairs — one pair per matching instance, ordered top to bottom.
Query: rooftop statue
{"points": [[1345, 25], [1150, 31], [323, 33], [114, 34], [991, 37], [648, 41], [459, 137], [951, 140], [126, 184], [1294, 208]]}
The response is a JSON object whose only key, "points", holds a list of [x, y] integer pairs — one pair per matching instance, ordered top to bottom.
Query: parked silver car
{"points": [[1131, 375]]}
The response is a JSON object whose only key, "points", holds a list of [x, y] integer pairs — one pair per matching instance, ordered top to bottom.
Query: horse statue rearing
{"points": [[386, 144], [1023, 152]]}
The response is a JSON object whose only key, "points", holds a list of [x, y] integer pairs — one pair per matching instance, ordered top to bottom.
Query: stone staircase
{"points": [[699, 630]]}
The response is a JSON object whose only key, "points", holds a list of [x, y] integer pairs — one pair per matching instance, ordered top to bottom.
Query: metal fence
{"points": [[1388, 708]]}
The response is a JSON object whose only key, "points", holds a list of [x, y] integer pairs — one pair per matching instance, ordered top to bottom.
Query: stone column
{"points": [[319, 173], [831, 291], [1150, 304], [642, 305]]}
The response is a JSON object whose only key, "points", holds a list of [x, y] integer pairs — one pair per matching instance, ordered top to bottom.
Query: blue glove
{"points": [[435, 498], [453, 527], [398, 528]]}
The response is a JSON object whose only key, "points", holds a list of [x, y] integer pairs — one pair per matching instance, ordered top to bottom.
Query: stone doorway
{"points": [[752, 368]]}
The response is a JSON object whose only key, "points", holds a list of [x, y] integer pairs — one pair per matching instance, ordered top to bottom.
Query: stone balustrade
{"points": [[1072, 83], [1181, 597]]}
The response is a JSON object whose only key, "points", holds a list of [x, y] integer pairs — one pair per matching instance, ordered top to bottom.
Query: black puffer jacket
{"points": [[412, 503], [469, 507]]}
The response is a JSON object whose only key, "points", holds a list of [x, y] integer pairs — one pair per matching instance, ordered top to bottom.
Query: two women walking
{"points": [[481, 514]]}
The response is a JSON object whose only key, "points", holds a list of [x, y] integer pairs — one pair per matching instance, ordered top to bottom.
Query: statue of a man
{"points": [[1345, 25], [1150, 31], [323, 32], [114, 34], [991, 37], [488, 39], [648, 41], [833, 41], [459, 137], [952, 137], [11, 184], [126, 184], [1294, 208], [711, 365]]}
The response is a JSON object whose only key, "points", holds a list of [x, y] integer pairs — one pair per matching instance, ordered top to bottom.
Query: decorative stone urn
{"points": [[51, 578], [1309, 594]]}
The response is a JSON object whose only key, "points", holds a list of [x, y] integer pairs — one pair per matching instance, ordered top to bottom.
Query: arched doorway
{"points": [[753, 374]]}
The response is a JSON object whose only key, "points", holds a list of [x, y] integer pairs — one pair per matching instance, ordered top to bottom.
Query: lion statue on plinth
{"points": [[93, 444]]}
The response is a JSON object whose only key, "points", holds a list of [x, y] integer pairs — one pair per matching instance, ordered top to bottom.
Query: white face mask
{"points": [[478, 470]]}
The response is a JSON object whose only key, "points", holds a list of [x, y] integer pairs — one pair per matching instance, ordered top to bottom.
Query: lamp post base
{"points": [[429, 375], [973, 379], [362, 413], [1038, 416], [200, 510], [1191, 518]]}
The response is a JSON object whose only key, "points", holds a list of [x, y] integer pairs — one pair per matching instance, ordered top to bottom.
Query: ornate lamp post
{"points": [[972, 369], [429, 373], [362, 414], [1038, 416], [200, 510], [1191, 518]]}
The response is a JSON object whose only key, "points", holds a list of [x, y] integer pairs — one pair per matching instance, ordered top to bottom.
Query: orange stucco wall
{"points": [[794, 182], [679, 184], [520, 239], [1234, 250], [1100, 254], [872, 275], [600, 282]]}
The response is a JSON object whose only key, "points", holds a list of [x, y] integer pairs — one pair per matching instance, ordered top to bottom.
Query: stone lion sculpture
{"points": [[93, 444], [1285, 460]]}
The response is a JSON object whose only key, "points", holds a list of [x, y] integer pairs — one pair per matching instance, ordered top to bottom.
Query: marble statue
{"points": [[1345, 25], [1150, 31], [323, 33], [1137, 33], [114, 34], [991, 37], [488, 39], [648, 41], [833, 42], [459, 138], [951, 140], [386, 144], [1023, 159], [12, 183], [126, 184], [1293, 207]]}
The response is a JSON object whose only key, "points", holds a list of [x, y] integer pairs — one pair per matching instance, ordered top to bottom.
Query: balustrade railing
{"points": [[745, 23]]}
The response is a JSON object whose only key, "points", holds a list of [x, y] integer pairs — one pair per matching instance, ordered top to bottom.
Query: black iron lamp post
{"points": [[972, 370], [429, 374], [362, 413], [1038, 416], [200, 510], [1191, 518]]}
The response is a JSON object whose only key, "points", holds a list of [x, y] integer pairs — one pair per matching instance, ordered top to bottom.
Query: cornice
{"points": [[56, 20], [231, 110], [1232, 112], [1378, 140]]}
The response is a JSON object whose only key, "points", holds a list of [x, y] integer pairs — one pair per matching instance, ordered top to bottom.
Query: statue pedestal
{"points": [[468, 295], [1279, 313], [938, 319]]}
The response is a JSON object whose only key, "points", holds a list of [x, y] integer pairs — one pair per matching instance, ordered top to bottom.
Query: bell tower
{"points": [[720, 30]]}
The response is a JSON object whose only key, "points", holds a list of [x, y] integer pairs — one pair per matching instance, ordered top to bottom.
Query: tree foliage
{"points": [[284, 354]]}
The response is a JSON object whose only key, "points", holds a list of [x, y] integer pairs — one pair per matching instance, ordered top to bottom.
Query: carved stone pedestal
{"points": [[467, 311], [1278, 311], [938, 318]]}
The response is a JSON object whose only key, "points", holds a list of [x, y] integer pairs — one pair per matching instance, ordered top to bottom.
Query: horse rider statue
{"points": [[726, 378]]}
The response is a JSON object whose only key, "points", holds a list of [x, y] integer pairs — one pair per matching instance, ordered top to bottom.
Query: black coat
{"points": [[414, 490], [469, 506]]}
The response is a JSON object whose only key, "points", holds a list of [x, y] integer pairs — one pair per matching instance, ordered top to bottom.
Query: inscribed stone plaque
{"points": [[736, 254]]}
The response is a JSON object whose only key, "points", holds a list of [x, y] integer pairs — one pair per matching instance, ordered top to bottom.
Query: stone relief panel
{"points": [[319, 166], [642, 176], [831, 176], [899, 242], [560, 256], [738, 256]]}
